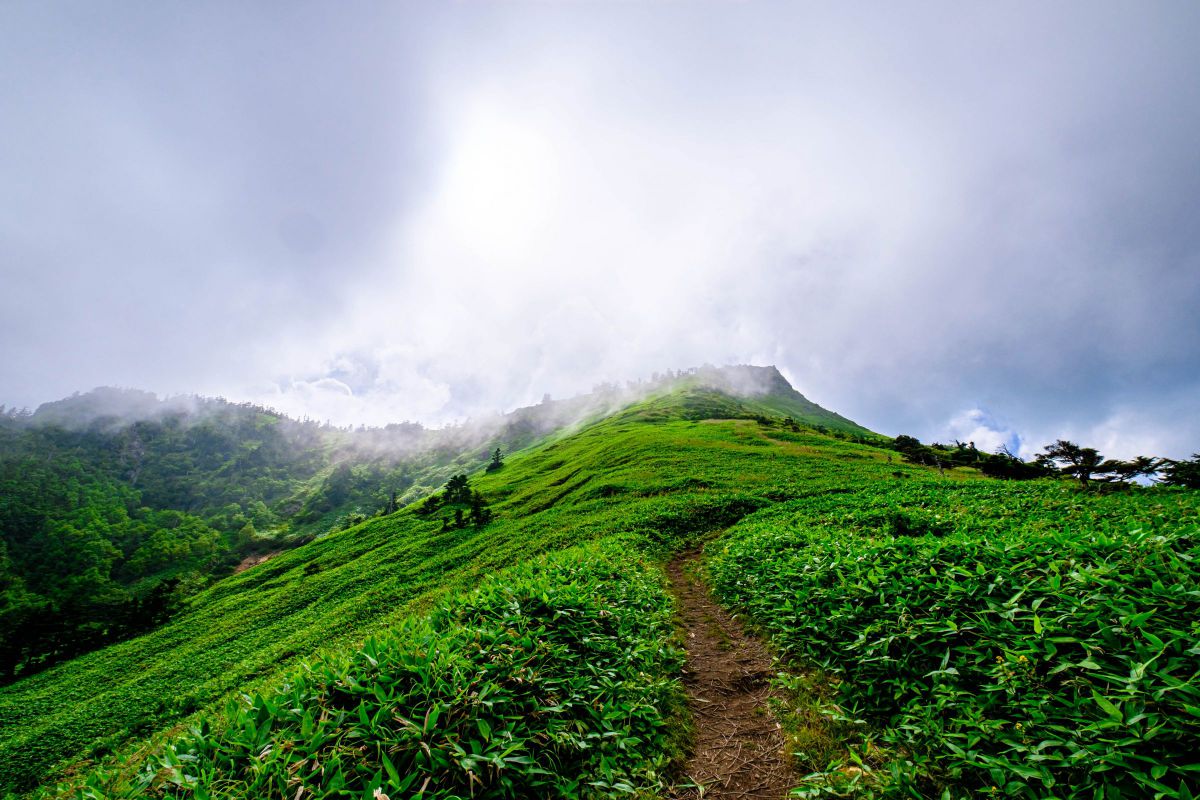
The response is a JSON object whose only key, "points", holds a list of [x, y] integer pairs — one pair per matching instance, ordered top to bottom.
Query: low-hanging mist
{"points": [[959, 224]]}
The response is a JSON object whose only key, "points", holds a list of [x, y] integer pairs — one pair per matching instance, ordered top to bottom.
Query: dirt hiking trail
{"points": [[738, 745]]}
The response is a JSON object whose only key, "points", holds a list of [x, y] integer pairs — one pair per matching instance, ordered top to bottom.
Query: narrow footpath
{"points": [[738, 747]]}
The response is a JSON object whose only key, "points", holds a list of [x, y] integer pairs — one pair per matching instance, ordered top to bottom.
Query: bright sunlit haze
{"points": [[977, 225]]}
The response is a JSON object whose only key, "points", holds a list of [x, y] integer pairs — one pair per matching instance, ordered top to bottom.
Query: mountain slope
{"points": [[651, 472], [115, 505], [530, 656]]}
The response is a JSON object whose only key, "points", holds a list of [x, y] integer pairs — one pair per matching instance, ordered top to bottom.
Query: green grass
{"points": [[660, 483], [896, 587], [1030, 637]]}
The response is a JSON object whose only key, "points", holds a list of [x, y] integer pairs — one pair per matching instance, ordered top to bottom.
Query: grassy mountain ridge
{"points": [[656, 480], [116, 505], [404, 653]]}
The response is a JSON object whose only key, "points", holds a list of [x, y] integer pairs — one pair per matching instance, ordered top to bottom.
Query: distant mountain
{"points": [[112, 407]]}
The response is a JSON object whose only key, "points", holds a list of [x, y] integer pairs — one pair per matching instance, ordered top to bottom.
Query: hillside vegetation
{"points": [[648, 472], [116, 505], [1028, 637], [532, 655]]}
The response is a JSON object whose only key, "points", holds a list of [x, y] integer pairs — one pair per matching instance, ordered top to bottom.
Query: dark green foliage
{"points": [[1071, 459], [497, 461], [1002, 464], [1086, 464], [1006, 465], [1142, 466], [1183, 473], [457, 490], [103, 495], [430, 505], [470, 505], [391, 506], [97, 511], [480, 514], [352, 519], [912, 522], [82, 563], [1037, 639], [555, 681]]}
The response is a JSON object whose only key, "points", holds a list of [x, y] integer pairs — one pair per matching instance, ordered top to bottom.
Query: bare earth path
{"points": [[738, 752]]}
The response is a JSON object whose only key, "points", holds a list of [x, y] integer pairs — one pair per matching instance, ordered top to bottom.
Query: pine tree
{"points": [[458, 490], [480, 513]]}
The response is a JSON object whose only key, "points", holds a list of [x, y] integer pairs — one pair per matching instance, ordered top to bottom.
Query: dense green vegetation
{"points": [[1183, 472], [651, 473], [114, 506], [82, 562], [507, 636], [1034, 638], [555, 681]]}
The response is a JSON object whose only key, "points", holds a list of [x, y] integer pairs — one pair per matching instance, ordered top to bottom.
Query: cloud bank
{"points": [[428, 213]]}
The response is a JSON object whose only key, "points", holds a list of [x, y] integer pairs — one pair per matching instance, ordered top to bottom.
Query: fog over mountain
{"points": [[974, 223]]}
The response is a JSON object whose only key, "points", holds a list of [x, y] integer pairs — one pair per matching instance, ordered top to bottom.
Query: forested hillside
{"points": [[114, 506]]}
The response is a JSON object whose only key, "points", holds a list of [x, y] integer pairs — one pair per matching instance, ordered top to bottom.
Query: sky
{"points": [[956, 221]]}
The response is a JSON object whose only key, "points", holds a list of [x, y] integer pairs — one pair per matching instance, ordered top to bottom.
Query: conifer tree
{"points": [[480, 513]]}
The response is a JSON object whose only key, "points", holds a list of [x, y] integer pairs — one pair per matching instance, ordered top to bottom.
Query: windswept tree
{"points": [[1071, 459], [1007, 464], [1086, 464], [1140, 467], [1185, 472]]}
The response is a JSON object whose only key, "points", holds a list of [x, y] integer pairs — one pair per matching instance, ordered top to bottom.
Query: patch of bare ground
{"points": [[254, 560], [738, 748]]}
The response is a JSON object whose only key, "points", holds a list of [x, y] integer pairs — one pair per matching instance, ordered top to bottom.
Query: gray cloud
{"points": [[369, 215]]}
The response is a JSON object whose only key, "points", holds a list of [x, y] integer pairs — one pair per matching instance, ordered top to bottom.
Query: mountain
{"points": [[119, 505], [510, 634]]}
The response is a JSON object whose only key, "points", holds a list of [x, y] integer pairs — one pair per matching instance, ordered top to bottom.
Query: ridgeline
{"points": [[939, 632]]}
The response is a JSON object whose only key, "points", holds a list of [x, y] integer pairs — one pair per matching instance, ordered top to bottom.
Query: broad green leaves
{"points": [[1045, 645], [555, 680]]}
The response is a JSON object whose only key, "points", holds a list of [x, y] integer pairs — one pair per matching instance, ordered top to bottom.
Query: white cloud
{"points": [[981, 213], [988, 434]]}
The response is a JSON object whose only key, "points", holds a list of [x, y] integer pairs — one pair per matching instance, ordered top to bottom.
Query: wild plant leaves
{"points": [[1035, 640], [555, 681]]}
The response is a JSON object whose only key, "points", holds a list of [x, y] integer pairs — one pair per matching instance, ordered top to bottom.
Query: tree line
{"points": [[1062, 457]]}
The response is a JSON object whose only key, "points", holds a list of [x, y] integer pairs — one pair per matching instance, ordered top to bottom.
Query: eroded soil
{"points": [[738, 746]]}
